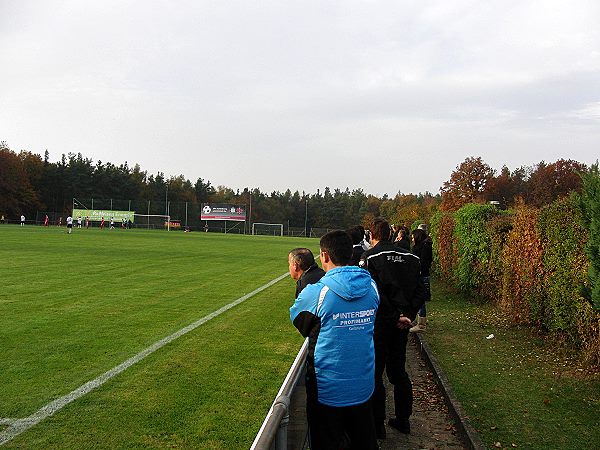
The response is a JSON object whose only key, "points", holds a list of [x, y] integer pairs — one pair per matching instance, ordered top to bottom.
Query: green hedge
{"points": [[589, 204], [474, 243], [533, 263], [565, 265]]}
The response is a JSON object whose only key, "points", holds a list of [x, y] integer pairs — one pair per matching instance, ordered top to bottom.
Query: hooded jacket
{"points": [[337, 314]]}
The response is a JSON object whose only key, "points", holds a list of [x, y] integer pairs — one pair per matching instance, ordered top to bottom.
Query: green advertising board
{"points": [[96, 215]]}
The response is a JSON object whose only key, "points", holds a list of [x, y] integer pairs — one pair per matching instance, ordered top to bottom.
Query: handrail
{"points": [[275, 423]]}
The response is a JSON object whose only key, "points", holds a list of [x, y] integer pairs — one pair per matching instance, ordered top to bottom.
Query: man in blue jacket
{"points": [[337, 314]]}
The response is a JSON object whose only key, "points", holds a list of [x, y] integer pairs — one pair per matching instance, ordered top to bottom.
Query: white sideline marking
{"points": [[18, 426]]}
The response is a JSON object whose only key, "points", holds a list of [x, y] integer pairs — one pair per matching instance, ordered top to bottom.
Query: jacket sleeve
{"points": [[303, 312]]}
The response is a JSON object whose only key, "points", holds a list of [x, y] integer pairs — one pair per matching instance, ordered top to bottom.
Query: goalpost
{"points": [[152, 221], [269, 229]]}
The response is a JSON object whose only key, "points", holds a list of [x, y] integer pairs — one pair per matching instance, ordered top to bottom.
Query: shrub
{"points": [[589, 203], [498, 229], [473, 245], [444, 255], [565, 263], [522, 273]]}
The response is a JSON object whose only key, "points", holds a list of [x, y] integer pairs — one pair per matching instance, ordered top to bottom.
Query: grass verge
{"points": [[519, 388]]}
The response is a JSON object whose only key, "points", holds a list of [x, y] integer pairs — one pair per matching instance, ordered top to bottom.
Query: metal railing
{"points": [[273, 432]]}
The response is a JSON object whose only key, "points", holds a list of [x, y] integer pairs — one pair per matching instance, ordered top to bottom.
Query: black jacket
{"points": [[402, 243], [357, 251], [424, 251], [397, 274], [310, 276]]}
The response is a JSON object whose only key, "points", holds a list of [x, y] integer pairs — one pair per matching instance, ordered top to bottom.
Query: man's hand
{"points": [[403, 322]]}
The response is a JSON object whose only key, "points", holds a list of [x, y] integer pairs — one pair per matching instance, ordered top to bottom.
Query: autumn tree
{"points": [[549, 182], [467, 184], [507, 186], [17, 196]]}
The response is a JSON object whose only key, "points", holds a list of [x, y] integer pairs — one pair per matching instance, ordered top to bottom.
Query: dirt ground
{"points": [[431, 425]]}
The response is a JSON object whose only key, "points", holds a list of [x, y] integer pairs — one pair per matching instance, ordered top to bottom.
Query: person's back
{"points": [[396, 273], [337, 314], [342, 355]]}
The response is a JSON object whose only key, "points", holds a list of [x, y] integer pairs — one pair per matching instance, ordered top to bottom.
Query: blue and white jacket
{"points": [[337, 314]]}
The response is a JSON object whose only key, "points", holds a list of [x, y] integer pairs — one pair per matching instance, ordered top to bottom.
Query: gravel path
{"points": [[431, 425]]}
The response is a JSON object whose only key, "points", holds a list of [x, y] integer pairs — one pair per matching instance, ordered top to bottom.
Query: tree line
{"points": [[30, 183]]}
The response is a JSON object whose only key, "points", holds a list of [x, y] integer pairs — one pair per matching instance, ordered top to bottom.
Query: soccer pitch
{"points": [[73, 307]]}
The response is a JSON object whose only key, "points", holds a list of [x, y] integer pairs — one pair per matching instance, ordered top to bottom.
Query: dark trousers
{"points": [[390, 355], [330, 427]]}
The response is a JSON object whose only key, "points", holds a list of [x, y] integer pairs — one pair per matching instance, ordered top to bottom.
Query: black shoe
{"points": [[402, 425], [380, 430]]}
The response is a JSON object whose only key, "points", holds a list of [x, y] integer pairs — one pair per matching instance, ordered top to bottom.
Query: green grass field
{"points": [[74, 306]]}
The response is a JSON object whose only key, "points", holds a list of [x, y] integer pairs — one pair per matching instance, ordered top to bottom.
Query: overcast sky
{"points": [[386, 96]]}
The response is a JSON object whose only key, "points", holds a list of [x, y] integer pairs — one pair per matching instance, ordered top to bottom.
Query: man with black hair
{"points": [[357, 234], [303, 268], [397, 274], [337, 314]]}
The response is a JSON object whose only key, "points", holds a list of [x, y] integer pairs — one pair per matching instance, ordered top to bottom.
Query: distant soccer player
{"points": [[22, 220], [46, 220], [79, 222], [102, 223], [112, 223], [69, 224]]}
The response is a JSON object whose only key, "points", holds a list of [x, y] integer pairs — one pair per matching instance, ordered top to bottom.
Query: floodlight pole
{"points": [[167, 200], [250, 215], [306, 217]]}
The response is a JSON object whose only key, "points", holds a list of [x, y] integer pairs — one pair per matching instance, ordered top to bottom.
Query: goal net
{"points": [[152, 221], [267, 229]]}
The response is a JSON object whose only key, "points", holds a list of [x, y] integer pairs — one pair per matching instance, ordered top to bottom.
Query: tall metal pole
{"points": [[167, 200], [250, 216], [306, 217]]}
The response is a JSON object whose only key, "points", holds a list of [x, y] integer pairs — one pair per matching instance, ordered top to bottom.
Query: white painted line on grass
{"points": [[18, 426]]}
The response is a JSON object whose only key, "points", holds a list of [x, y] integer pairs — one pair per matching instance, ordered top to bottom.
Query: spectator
{"points": [[395, 231], [357, 234], [402, 238], [422, 247], [303, 268], [396, 273], [337, 315]]}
